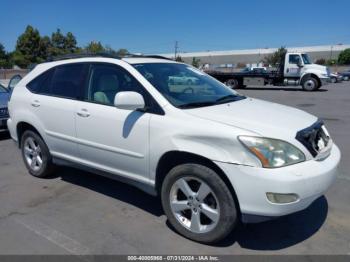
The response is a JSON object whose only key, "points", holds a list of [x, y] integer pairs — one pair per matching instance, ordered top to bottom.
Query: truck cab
{"points": [[299, 70]]}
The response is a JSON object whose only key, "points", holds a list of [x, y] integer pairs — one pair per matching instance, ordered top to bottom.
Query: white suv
{"points": [[214, 156]]}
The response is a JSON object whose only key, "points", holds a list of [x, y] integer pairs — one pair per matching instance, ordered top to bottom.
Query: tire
{"points": [[333, 80], [232, 83], [310, 84], [33, 149], [183, 210]]}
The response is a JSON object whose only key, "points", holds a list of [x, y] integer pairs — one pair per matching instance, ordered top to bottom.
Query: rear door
{"points": [[54, 103]]}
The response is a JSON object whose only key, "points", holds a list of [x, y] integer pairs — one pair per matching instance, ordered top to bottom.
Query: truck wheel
{"points": [[232, 83], [310, 84], [36, 155], [198, 204]]}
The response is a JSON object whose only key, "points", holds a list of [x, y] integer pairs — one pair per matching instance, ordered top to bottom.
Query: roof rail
{"points": [[102, 54], [82, 55], [147, 56]]}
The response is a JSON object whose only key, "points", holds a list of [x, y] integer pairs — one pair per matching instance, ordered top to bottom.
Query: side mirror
{"points": [[299, 63], [129, 100]]}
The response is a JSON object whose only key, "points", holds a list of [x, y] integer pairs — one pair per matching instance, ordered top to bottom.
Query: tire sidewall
{"points": [[315, 82], [232, 83], [46, 156], [228, 213]]}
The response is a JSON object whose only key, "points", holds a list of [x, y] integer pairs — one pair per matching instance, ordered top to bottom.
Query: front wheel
{"points": [[333, 80], [310, 84], [198, 203]]}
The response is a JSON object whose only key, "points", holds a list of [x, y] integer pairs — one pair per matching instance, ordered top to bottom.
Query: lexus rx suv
{"points": [[214, 156]]}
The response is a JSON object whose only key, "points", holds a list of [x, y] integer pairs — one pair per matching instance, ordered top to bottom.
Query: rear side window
{"points": [[67, 80], [62, 81], [41, 82]]}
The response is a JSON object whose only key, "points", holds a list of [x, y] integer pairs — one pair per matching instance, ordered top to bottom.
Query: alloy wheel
{"points": [[194, 205]]}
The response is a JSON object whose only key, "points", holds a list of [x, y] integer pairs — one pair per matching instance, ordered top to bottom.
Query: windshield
{"points": [[306, 59], [186, 87]]}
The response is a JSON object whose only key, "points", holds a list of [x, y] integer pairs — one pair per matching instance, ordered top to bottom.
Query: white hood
{"points": [[264, 118]]}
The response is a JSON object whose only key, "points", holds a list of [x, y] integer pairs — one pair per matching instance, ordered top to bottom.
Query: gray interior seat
{"points": [[107, 88]]}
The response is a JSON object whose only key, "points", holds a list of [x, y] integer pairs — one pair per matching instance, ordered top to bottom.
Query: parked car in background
{"points": [[254, 70], [345, 74], [335, 77], [182, 79], [13, 82], [4, 115]]}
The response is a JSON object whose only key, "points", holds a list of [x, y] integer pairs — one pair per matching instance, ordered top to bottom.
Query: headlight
{"points": [[272, 152]]}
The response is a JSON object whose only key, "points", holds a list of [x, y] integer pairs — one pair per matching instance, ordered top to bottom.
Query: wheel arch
{"points": [[305, 76], [22, 127], [173, 158]]}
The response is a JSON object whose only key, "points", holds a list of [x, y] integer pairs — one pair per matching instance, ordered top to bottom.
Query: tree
{"points": [[70, 43], [95, 47], [29, 48], [122, 52], [3, 56], [344, 57], [276, 58], [179, 59], [320, 61], [195, 62]]}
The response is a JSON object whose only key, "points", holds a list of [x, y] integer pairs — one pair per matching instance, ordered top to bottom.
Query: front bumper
{"points": [[325, 81], [3, 125], [309, 180]]}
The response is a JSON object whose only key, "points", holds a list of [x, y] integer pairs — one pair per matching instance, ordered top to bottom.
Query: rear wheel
{"points": [[333, 80], [232, 83], [310, 84], [36, 155], [198, 203]]}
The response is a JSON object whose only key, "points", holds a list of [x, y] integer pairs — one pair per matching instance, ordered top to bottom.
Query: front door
{"points": [[292, 69], [112, 139]]}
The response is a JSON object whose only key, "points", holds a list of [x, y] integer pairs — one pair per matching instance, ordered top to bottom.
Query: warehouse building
{"points": [[252, 56]]}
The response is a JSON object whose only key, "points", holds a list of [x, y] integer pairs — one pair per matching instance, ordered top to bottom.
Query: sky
{"points": [[153, 26]]}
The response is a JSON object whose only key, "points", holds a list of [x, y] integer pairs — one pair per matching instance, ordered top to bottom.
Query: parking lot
{"points": [[76, 212]]}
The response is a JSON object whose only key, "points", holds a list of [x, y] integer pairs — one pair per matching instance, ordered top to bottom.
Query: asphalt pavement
{"points": [[76, 212]]}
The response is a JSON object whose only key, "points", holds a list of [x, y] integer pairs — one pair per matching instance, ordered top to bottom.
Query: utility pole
{"points": [[176, 49]]}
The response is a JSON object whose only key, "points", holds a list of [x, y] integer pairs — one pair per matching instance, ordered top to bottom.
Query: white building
{"points": [[250, 56]]}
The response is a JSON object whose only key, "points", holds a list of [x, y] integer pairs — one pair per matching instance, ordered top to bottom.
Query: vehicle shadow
{"points": [[292, 89], [4, 136], [115, 189], [283, 232], [271, 235]]}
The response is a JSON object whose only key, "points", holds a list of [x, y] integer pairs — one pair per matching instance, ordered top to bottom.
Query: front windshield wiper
{"points": [[229, 98], [197, 104]]}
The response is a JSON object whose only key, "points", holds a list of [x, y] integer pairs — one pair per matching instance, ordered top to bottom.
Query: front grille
{"points": [[4, 113], [314, 138]]}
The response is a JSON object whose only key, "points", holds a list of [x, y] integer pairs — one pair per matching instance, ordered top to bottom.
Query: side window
{"points": [[293, 59], [67, 80], [107, 80], [39, 83]]}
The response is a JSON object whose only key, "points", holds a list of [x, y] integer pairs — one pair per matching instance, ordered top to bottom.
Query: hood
{"points": [[316, 67], [4, 98], [264, 118]]}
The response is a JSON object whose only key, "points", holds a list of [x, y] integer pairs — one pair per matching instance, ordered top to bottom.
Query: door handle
{"points": [[35, 103], [83, 113]]}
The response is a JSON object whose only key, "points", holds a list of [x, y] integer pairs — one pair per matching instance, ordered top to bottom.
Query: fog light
{"points": [[282, 198]]}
